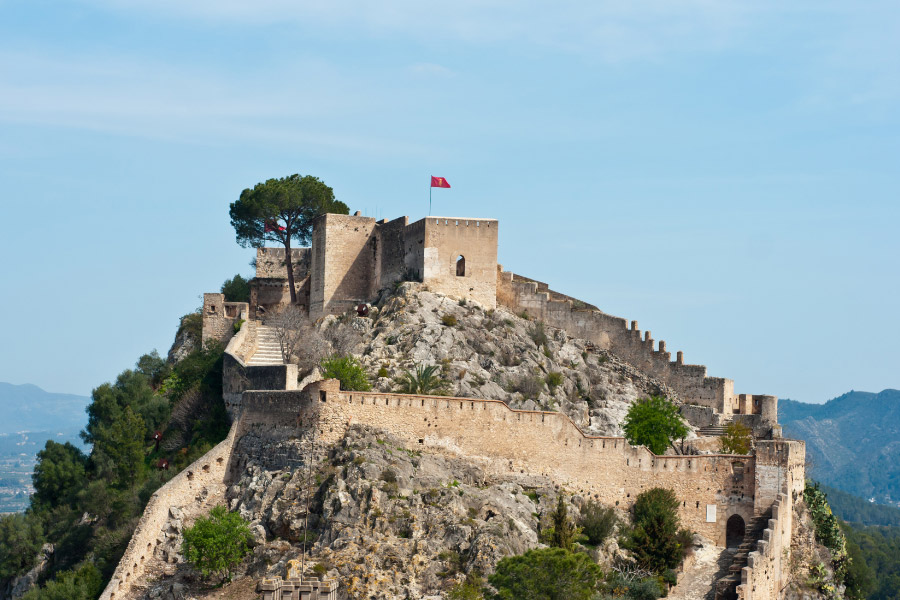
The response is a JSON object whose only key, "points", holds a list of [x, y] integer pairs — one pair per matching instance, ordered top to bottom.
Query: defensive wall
{"points": [[219, 317], [579, 319], [238, 376], [710, 487], [181, 491], [768, 566]]}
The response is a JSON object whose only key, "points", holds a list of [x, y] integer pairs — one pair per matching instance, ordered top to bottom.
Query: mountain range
{"points": [[29, 408], [852, 441]]}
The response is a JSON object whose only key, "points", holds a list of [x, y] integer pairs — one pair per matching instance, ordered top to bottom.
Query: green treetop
{"points": [[282, 210], [653, 422]]}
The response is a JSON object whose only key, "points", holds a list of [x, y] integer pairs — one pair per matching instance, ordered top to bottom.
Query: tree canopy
{"points": [[282, 210], [236, 289], [653, 422], [738, 439], [655, 538], [215, 544], [547, 574]]}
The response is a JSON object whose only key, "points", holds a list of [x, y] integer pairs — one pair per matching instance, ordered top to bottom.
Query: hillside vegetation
{"points": [[87, 505]]}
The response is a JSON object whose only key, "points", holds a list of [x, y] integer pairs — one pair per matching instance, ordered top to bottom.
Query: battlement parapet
{"points": [[607, 332], [712, 487], [767, 570], [276, 588]]}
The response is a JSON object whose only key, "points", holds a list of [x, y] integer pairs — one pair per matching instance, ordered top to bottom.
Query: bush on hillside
{"points": [[348, 370], [423, 381], [737, 439], [597, 522], [655, 537], [214, 545], [546, 574]]}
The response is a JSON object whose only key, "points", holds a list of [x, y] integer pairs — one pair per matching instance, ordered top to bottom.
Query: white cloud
{"points": [[611, 30], [143, 98]]}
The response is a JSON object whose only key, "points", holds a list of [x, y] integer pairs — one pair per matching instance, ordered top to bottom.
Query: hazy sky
{"points": [[724, 172]]}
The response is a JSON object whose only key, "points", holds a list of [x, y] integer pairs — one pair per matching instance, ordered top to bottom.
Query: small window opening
{"points": [[460, 266], [322, 395]]}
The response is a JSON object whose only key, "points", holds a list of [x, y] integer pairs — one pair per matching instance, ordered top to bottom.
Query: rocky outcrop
{"points": [[493, 354], [387, 521]]}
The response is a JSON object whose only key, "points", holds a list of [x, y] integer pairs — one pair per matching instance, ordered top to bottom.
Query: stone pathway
{"points": [[699, 580]]}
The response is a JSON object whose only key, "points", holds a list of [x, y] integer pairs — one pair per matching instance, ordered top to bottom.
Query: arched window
{"points": [[461, 266]]}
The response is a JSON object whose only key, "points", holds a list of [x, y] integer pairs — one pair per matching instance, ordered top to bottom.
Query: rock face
{"points": [[493, 354], [389, 522], [19, 586]]}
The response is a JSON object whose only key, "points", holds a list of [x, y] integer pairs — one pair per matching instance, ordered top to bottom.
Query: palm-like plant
{"points": [[423, 381]]}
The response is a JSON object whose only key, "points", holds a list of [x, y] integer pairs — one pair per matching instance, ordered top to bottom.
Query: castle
{"points": [[353, 260]]}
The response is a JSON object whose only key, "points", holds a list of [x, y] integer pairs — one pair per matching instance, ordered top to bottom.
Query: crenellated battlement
{"points": [[607, 332], [712, 487]]}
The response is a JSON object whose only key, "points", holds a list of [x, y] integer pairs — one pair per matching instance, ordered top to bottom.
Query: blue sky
{"points": [[724, 172]]}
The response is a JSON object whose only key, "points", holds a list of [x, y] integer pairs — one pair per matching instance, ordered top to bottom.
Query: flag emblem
{"points": [[439, 182]]}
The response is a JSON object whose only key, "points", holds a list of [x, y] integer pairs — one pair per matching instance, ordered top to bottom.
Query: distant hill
{"points": [[29, 408], [29, 417], [853, 441], [854, 509]]}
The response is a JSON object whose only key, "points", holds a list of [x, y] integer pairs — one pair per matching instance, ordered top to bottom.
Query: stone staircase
{"points": [[268, 350], [712, 430], [726, 587]]}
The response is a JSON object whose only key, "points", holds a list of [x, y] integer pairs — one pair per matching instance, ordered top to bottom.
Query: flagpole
{"points": [[429, 197]]}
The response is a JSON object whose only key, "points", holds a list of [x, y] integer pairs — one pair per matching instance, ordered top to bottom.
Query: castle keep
{"points": [[353, 260]]}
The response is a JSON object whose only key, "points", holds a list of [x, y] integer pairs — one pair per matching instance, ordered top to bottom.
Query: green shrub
{"points": [[236, 289], [449, 320], [238, 324], [537, 334], [348, 370], [382, 372], [554, 379], [423, 381], [737, 439], [597, 522], [828, 530], [21, 537], [655, 537], [215, 544], [320, 569], [547, 573], [85, 583], [644, 589]]}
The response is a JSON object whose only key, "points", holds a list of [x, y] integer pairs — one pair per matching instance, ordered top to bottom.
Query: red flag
{"points": [[439, 182], [272, 225]]}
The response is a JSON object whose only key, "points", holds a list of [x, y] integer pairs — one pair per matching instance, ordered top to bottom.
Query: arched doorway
{"points": [[461, 266], [734, 531]]}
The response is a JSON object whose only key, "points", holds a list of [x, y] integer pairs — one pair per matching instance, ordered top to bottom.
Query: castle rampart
{"points": [[611, 333], [208, 471], [711, 487], [768, 570]]}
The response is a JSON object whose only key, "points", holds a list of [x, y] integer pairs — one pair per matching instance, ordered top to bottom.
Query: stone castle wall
{"points": [[474, 242], [270, 263], [343, 263], [219, 317], [579, 319], [711, 487], [182, 490], [768, 566]]}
